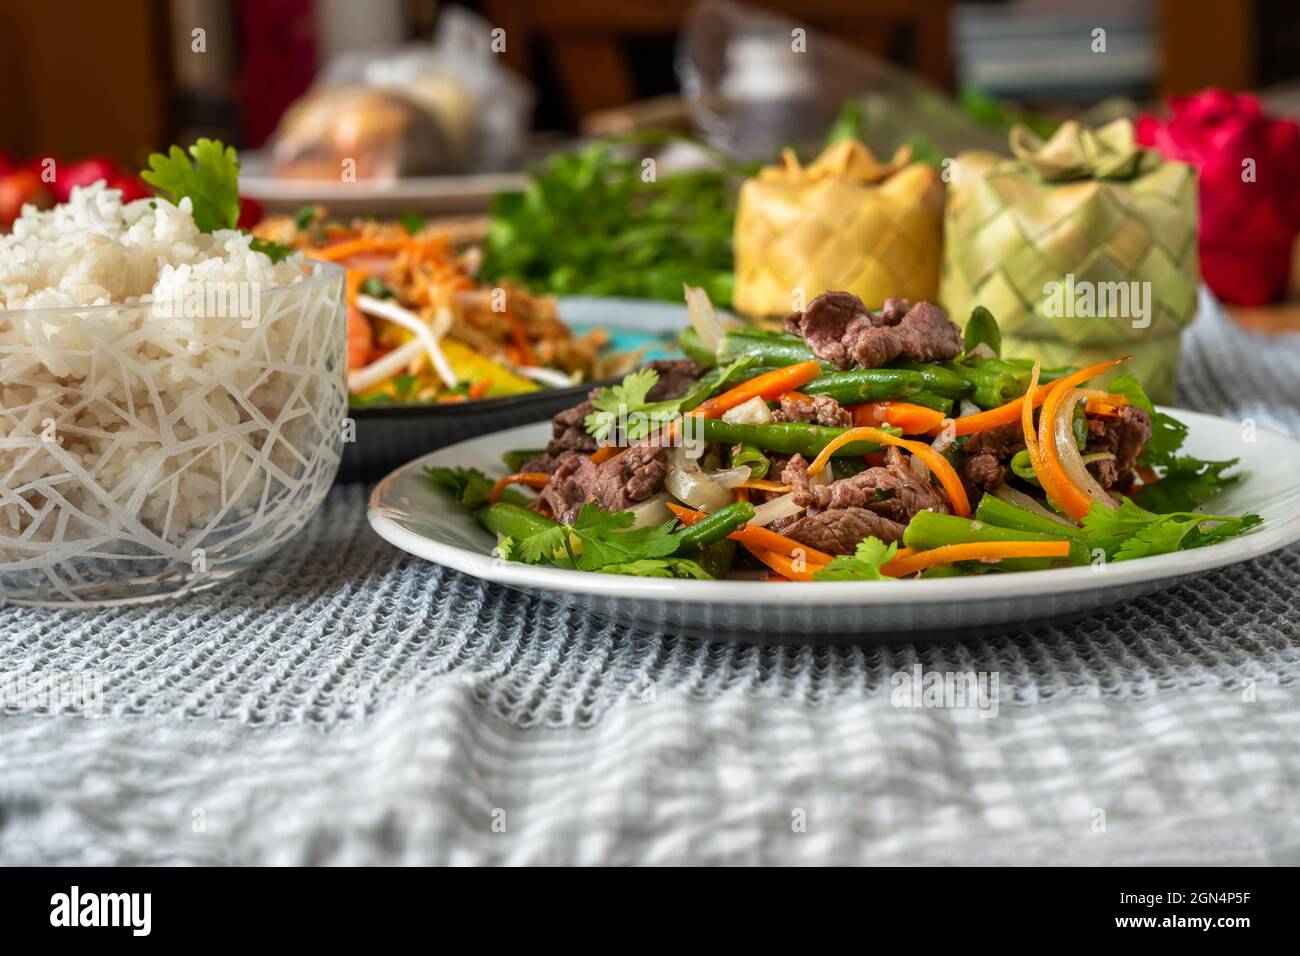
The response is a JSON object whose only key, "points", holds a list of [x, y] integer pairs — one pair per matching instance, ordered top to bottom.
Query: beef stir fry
{"points": [[856, 444]]}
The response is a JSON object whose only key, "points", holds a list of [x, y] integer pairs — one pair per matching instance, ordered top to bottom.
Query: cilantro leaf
{"points": [[211, 182], [277, 251], [376, 287], [629, 401], [1167, 432], [1186, 484], [468, 486], [1131, 531], [602, 539], [605, 542], [543, 545], [862, 565], [660, 568]]}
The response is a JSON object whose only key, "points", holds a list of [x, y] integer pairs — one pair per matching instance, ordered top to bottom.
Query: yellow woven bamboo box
{"points": [[845, 222]]}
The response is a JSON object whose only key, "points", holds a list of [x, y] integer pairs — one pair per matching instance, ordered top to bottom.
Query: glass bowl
{"points": [[151, 449]]}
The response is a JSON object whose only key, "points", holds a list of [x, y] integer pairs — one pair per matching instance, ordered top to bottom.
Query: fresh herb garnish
{"points": [[211, 181], [305, 217], [411, 221], [593, 222], [277, 251], [376, 287], [982, 329], [628, 400], [1186, 484], [469, 487], [1131, 531], [603, 538], [863, 565], [660, 568]]}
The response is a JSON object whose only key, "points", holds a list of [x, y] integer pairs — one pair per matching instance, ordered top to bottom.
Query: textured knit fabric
{"points": [[347, 703]]}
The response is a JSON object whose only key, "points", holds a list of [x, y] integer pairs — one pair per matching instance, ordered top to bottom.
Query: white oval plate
{"points": [[407, 512]]}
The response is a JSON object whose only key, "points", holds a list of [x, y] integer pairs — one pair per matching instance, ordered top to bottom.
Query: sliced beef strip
{"points": [[841, 330], [676, 376], [820, 410], [1124, 437], [988, 454], [633, 476], [571, 483], [615, 485], [893, 490], [839, 530]]}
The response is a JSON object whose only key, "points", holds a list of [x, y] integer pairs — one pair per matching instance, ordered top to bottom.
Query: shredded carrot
{"points": [[351, 247], [519, 338], [767, 386], [479, 388], [453, 398], [1104, 409], [1026, 411], [1003, 414], [912, 419], [605, 453], [937, 464], [1148, 475], [533, 479], [760, 484], [1063, 492], [740, 493], [759, 537], [974, 551], [781, 564]]}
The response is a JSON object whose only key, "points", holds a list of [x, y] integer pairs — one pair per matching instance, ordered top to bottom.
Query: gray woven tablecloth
{"points": [[347, 703]]}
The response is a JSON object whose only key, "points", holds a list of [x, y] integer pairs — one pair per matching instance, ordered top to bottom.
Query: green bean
{"points": [[693, 348], [772, 348], [1044, 375], [944, 381], [993, 383], [869, 385], [931, 400], [786, 438], [753, 457], [515, 460], [1023, 468], [993, 510], [512, 521], [713, 528], [928, 530], [717, 558]]}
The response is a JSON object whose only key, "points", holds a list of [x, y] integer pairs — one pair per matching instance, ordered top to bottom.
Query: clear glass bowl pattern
{"points": [[212, 455]]}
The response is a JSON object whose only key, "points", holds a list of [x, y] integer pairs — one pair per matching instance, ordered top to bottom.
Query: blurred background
{"points": [[128, 80], [417, 105]]}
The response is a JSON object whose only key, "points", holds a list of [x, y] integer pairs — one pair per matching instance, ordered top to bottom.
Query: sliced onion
{"points": [[703, 318], [983, 350], [967, 407], [752, 412], [1068, 452], [1098, 456], [921, 468], [732, 477], [694, 488], [1021, 500], [777, 508], [652, 511]]}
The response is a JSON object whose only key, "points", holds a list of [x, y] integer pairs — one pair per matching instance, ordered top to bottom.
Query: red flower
{"points": [[1250, 209]]}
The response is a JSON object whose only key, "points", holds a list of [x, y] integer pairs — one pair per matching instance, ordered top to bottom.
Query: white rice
{"points": [[152, 411]]}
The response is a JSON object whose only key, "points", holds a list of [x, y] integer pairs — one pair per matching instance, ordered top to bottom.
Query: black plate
{"points": [[388, 436]]}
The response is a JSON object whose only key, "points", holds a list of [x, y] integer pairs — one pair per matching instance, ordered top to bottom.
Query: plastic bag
{"points": [[447, 107]]}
